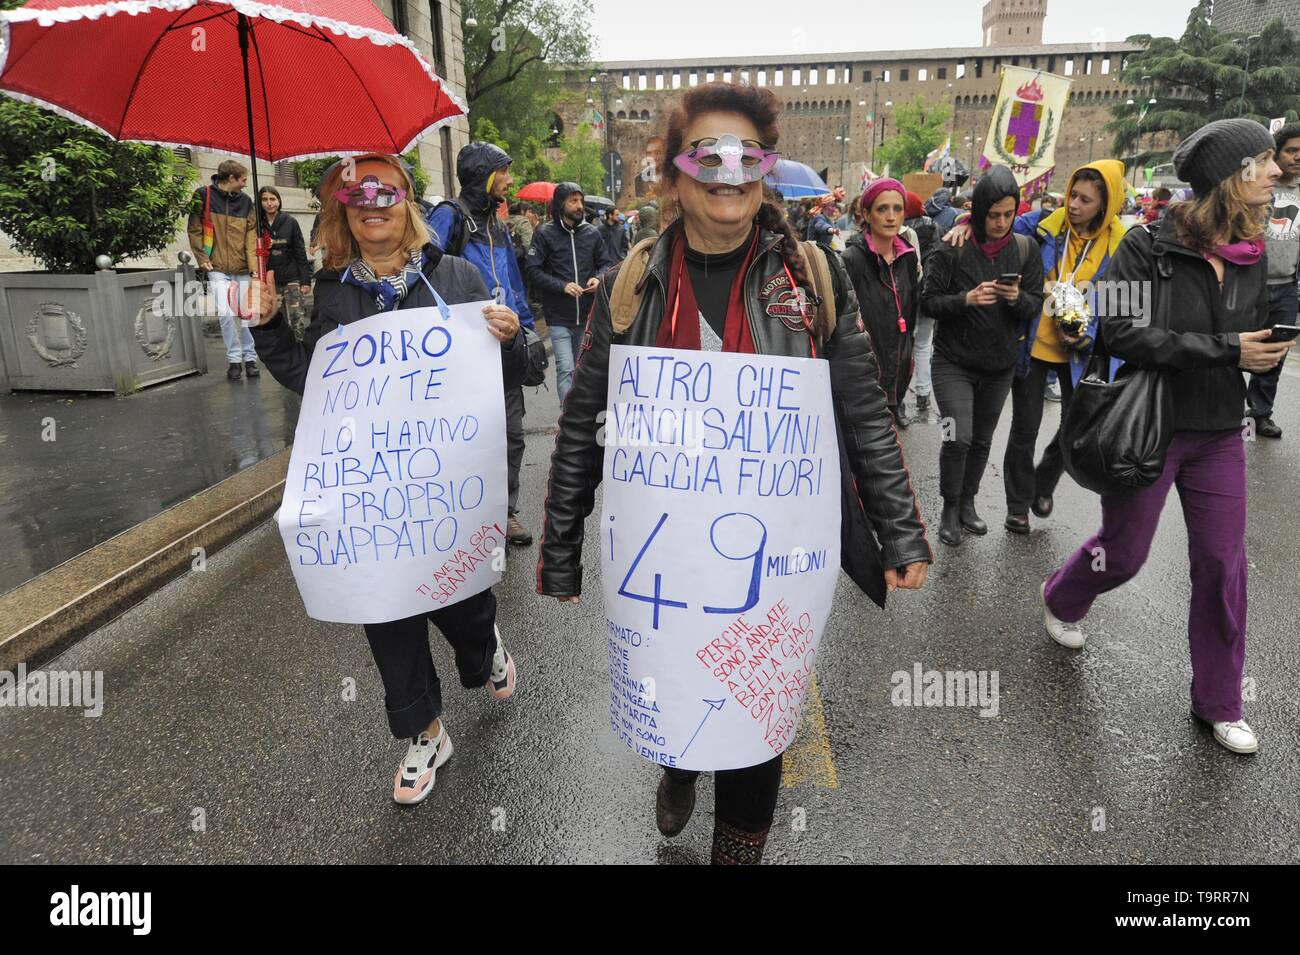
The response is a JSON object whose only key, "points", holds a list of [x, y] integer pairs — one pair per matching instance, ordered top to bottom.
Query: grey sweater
{"points": [[1283, 234]]}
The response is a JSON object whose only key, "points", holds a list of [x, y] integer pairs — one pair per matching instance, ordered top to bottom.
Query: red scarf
{"points": [[994, 246], [680, 327]]}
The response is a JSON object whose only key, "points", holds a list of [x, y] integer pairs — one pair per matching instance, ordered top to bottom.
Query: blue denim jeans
{"points": [[229, 291], [565, 340], [922, 348]]}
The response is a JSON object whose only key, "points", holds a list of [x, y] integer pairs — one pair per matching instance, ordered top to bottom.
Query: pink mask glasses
{"points": [[727, 159], [370, 193]]}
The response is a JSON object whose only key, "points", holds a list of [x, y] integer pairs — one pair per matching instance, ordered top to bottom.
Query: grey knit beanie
{"points": [[1218, 150]]}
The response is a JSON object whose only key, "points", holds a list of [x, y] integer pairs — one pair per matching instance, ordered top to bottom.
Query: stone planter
{"points": [[97, 332]]}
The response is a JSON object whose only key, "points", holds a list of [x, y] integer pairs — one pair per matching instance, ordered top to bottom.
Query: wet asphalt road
{"points": [[221, 696]]}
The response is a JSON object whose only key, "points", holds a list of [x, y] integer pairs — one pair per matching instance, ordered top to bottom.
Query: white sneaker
{"points": [[1066, 634], [501, 682], [1236, 736], [419, 767]]}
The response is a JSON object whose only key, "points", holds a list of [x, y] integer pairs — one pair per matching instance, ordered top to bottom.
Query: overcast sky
{"points": [[673, 29]]}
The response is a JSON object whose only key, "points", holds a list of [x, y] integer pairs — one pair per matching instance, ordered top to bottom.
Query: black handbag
{"points": [[535, 371], [1116, 433]]}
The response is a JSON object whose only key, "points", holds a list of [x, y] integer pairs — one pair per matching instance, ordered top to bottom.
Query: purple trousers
{"points": [[1209, 470]]}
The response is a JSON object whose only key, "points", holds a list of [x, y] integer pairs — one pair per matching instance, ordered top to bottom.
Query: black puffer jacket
{"points": [[288, 252], [560, 255], [874, 287], [336, 303], [984, 338], [1202, 341], [884, 486]]}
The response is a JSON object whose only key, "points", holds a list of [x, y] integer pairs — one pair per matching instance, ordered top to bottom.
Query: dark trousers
{"points": [[1262, 390], [970, 404], [514, 444], [1209, 470], [1023, 481], [412, 693], [742, 798]]}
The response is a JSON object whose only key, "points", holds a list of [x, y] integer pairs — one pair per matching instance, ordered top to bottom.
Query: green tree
{"points": [[510, 60], [1198, 78], [919, 126], [581, 162], [531, 164], [69, 194]]}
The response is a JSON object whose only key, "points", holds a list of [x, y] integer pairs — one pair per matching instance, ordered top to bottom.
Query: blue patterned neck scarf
{"points": [[390, 290]]}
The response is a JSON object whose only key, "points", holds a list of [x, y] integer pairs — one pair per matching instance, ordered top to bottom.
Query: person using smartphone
{"points": [[983, 297]]}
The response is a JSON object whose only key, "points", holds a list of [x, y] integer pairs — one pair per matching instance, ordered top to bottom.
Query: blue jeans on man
{"points": [[230, 292], [566, 340]]}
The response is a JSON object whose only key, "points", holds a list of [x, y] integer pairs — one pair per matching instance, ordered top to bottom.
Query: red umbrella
{"points": [[325, 77], [291, 79], [536, 192]]}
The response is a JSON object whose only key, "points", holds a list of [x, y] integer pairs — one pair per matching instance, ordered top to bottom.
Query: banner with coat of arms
{"points": [[1026, 124]]}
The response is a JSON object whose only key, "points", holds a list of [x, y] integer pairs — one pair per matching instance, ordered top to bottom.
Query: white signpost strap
{"points": [[395, 499], [720, 549]]}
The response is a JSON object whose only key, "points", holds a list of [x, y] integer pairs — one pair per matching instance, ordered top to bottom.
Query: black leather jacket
{"points": [[883, 483]]}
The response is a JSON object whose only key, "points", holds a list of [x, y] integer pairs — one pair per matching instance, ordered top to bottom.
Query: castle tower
{"points": [[1014, 22]]}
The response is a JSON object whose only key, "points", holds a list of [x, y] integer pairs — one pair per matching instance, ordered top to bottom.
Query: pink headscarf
{"points": [[877, 187]]}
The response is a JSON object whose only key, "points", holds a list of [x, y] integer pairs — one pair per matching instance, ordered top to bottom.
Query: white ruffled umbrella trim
{"points": [[246, 7], [235, 153]]}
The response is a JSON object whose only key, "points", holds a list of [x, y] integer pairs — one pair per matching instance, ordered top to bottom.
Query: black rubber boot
{"points": [[971, 520], [950, 524]]}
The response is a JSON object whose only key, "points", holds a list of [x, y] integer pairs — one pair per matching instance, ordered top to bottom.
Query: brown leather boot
{"points": [[675, 801]]}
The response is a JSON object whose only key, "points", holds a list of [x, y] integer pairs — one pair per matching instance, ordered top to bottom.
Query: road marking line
{"points": [[809, 757]]}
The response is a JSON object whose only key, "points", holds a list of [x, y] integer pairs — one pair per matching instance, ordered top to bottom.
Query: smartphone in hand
{"points": [[1008, 278], [1283, 333]]}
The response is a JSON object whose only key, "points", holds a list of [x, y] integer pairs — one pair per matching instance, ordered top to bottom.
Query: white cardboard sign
{"points": [[396, 493], [720, 549]]}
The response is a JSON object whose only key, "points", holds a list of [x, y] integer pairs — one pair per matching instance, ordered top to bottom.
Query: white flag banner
{"points": [[1026, 125], [396, 493], [720, 549]]}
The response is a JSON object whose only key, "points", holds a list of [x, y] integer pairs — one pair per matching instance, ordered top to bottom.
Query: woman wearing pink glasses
{"points": [[378, 258], [729, 274]]}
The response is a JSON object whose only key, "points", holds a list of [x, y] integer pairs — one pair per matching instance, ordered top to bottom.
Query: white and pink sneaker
{"points": [[419, 767]]}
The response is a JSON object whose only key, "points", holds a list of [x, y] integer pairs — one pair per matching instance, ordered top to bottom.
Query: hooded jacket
{"points": [[939, 208], [647, 222], [469, 227], [1050, 231], [234, 245], [560, 255], [874, 282], [336, 303], [984, 338], [1202, 343], [873, 452]]}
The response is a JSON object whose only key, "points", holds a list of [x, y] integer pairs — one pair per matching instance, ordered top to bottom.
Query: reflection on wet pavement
{"points": [[114, 462]]}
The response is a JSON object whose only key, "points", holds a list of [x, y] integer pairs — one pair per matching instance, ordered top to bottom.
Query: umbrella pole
{"points": [[263, 252]]}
